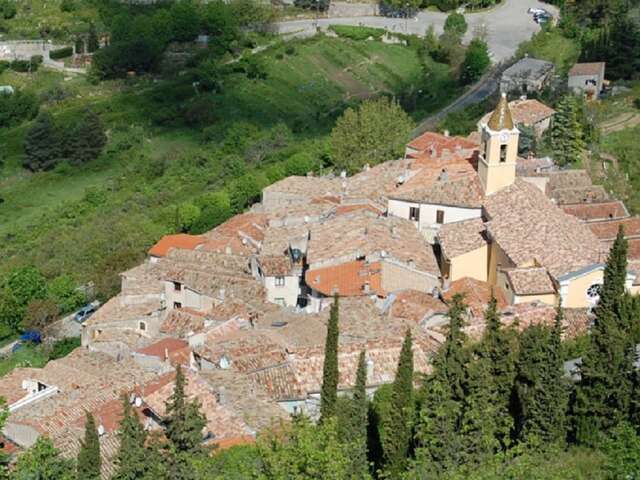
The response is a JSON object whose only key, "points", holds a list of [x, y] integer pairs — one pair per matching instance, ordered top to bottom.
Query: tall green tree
{"points": [[456, 25], [92, 40], [476, 61], [375, 132], [566, 134], [86, 140], [42, 144], [499, 348], [330, 373], [541, 391], [603, 396], [183, 421], [399, 422], [354, 423], [439, 442], [132, 457], [89, 461]]}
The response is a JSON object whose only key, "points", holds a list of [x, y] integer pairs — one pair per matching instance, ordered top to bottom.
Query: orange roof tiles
{"points": [[594, 68], [526, 112], [439, 142], [597, 211], [608, 229], [179, 240], [347, 279], [476, 294]]}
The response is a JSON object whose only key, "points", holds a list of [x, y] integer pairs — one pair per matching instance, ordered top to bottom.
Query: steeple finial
{"points": [[501, 118]]}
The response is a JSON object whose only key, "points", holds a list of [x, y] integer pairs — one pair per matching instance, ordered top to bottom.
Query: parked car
{"points": [[537, 11], [541, 18], [84, 313]]}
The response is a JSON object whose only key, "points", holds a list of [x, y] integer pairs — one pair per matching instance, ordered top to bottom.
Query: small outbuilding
{"points": [[526, 76], [587, 79]]}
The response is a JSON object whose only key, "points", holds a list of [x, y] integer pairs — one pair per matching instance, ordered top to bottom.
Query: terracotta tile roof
{"points": [[594, 68], [526, 112], [439, 142], [531, 166], [307, 187], [573, 187], [456, 188], [597, 211], [529, 227], [608, 229], [240, 235], [351, 237], [462, 237], [179, 240], [633, 252], [275, 254], [357, 277], [530, 281], [476, 294], [415, 306], [116, 310], [529, 313], [183, 321], [172, 349], [87, 381], [222, 421]]}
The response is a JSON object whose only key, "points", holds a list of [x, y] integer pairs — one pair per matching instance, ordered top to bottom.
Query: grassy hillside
{"points": [[169, 144]]}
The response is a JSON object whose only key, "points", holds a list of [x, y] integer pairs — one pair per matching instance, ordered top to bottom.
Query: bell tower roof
{"points": [[501, 118]]}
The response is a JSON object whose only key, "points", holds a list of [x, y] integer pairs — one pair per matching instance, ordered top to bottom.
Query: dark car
{"points": [[84, 313]]}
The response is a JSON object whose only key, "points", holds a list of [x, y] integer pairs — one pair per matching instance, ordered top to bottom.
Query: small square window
{"points": [[503, 153], [414, 214], [440, 216], [279, 281], [177, 286], [279, 301], [177, 305], [142, 326]]}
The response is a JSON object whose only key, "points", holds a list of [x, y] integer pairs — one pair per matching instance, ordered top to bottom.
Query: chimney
{"points": [[446, 133], [446, 154], [366, 167], [343, 174], [444, 175], [166, 354]]}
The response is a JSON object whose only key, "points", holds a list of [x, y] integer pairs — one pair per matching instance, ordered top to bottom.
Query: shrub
{"points": [[319, 5], [67, 6], [8, 9], [456, 25], [357, 33], [290, 50], [59, 53], [476, 61], [23, 66], [17, 107], [64, 347]]}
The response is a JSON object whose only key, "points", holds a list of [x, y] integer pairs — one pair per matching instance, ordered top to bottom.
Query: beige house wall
{"points": [[495, 175], [472, 264], [398, 277], [574, 292], [285, 295], [186, 297]]}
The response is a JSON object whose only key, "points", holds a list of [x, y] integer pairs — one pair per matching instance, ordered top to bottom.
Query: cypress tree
{"points": [[92, 40], [566, 132], [42, 144], [499, 349], [330, 374], [541, 390], [603, 397], [399, 421], [183, 422], [355, 423], [438, 433], [132, 458], [89, 461]]}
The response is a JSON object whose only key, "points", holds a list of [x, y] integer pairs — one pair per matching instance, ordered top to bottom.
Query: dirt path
{"points": [[625, 120]]}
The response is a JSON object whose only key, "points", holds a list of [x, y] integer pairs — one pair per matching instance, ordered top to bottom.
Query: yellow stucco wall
{"points": [[493, 174], [472, 264], [575, 294], [549, 298]]}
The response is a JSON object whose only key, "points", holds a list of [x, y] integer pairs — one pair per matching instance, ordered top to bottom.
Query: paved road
{"points": [[507, 25]]}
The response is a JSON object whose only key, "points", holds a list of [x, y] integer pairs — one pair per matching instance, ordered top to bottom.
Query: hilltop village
{"points": [[243, 308]]}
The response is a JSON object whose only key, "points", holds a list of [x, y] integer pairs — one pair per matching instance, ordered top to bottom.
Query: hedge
{"points": [[357, 33], [63, 52]]}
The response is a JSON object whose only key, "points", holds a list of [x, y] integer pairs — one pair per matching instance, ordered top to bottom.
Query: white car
{"points": [[537, 11]]}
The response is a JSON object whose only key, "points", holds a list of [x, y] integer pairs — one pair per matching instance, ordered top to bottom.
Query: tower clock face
{"points": [[504, 137]]}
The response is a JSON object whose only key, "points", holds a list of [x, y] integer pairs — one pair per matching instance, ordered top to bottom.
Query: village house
{"points": [[527, 75], [587, 79], [526, 112]]}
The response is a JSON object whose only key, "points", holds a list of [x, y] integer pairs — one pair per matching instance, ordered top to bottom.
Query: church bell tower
{"points": [[497, 164]]}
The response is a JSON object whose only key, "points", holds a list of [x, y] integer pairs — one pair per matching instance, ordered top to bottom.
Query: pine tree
{"points": [[86, 141], [42, 144], [450, 363], [330, 373], [541, 391], [603, 397], [183, 421], [399, 421], [355, 423], [132, 457], [89, 461]]}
